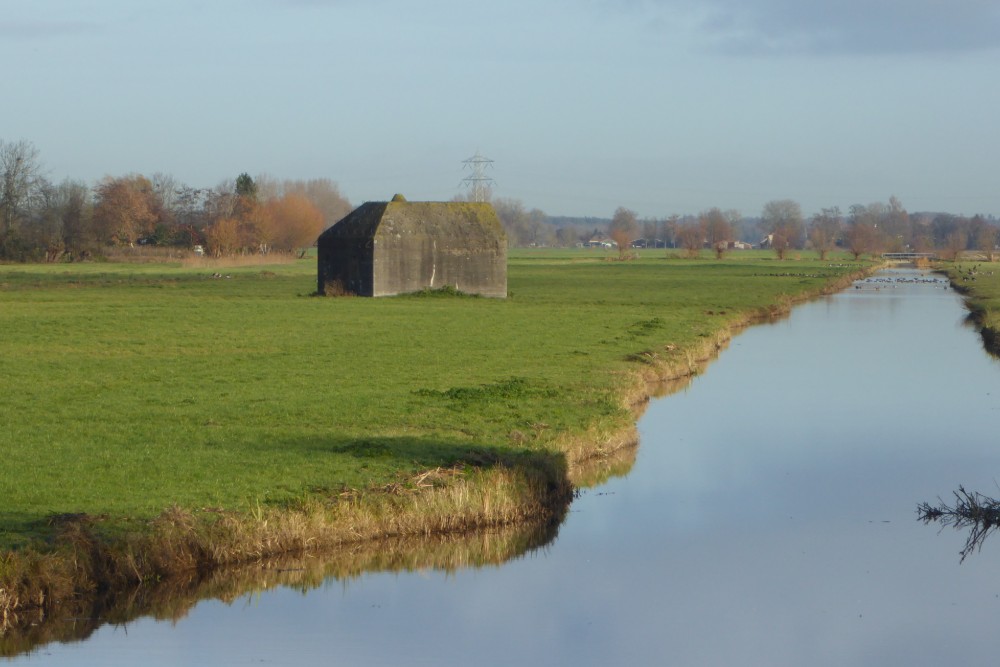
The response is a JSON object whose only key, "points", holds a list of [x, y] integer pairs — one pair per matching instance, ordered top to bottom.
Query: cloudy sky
{"points": [[662, 106]]}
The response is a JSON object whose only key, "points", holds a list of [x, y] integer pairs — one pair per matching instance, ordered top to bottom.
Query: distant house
{"points": [[599, 240], [649, 243], [395, 247]]}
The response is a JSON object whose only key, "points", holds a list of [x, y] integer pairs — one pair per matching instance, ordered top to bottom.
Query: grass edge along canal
{"points": [[979, 284], [149, 440]]}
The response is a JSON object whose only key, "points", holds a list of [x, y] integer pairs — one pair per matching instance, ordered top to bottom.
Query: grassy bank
{"points": [[979, 281], [162, 418]]}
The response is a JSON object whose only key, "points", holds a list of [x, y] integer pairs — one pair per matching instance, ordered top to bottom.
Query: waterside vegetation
{"points": [[979, 283], [164, 419]]}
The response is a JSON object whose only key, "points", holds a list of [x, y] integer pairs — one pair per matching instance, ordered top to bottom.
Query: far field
{"points": [[130, 388]]}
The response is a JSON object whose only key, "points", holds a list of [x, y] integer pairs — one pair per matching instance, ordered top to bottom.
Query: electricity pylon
{"points": [[478, 183]]}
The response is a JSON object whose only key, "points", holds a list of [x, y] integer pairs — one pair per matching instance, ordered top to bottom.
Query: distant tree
{"points": [[21, 183], [245, 186], [165, 191], [322, 192], [325, 196], [124, 209], [245, 210], [76, 213], [514, 219], [735, 219], [782, 219], [295, 220], [62, 221], [669, 227], [896, 227], [942, 227], [46, 228], [624, 229], [650, 230], [718, 230], [824, 230], [539, 232], [863, 232], [568, 236], [223, 237], [691, 237], [860, 238], [986, 241], [923, 242], [955, 245]]}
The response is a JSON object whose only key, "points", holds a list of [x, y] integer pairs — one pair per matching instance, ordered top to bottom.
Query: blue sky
{"points": [[662, 106]]}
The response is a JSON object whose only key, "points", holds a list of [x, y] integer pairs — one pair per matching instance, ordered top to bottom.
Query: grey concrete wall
{"points": [[386, 248], [415, 262]]}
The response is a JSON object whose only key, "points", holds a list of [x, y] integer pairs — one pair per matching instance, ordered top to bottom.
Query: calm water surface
{"points": [[769, 520]]}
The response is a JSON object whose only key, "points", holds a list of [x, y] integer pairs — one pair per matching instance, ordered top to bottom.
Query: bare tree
{"points": [[21, 185], [325, 196], [220, 202], [782, 218], [514, 219], [62, 221], [895, 226], [623, 229], [824, 229], [670, 230], [718, 230], [650, 231], [568, 236], [691, 236], [860, 238], [986, 241], [955, 245]]}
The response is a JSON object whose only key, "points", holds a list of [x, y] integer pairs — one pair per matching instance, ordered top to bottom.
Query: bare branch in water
{"points": [[973, 510]]}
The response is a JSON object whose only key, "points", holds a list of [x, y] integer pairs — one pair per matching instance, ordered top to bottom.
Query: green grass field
{"points": [[128, 388]]}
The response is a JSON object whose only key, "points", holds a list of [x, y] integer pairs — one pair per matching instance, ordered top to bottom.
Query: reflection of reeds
{"points": [[973, 510], [84, 562], [173, 598]]}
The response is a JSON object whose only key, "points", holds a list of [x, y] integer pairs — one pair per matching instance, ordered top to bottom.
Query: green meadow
{"points": [[131, 388]]}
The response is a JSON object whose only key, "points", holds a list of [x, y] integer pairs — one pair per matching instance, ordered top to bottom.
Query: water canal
{"points": [[770, 518]]}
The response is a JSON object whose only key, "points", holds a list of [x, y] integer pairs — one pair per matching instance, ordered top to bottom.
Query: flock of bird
{"points": [[970, 274], [892, 282]]}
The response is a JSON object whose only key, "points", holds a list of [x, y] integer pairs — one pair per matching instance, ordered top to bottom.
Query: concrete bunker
{"points": [[395, 247]]}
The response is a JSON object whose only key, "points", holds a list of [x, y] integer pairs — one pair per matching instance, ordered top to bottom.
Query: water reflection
{"points": [[974, 511], [767, 519], [173, 599]]}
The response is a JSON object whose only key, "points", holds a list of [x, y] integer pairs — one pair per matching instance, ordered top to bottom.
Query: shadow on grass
{"points": [[427, 452], [543, 483], [18, 529]]}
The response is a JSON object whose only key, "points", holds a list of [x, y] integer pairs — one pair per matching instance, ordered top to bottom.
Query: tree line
{"points": [[41, 220], [781, 226]]}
